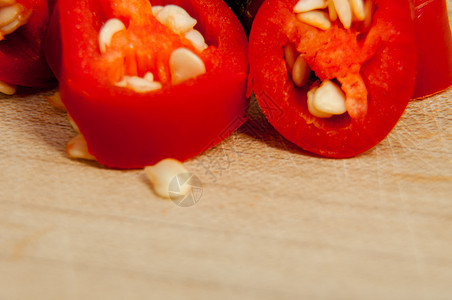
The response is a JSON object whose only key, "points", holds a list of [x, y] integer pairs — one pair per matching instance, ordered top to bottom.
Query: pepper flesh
{"points": [[434, 48], [382, 57], [125, 129]]}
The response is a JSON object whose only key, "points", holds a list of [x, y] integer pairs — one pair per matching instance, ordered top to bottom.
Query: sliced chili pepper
{"points": [[23, 24], [433, 42], [434, 48], [370, 66], [124, 126]]}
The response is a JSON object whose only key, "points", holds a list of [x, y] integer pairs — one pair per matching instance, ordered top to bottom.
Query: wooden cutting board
{"points": [[272, 221], [269, 222]]}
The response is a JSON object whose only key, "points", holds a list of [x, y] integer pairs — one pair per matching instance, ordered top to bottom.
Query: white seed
{"points": [[308, 5], [156, 9], [172, 9], [358, 9], [332, 10], [344, 12], [9, 14], [176, 18], [315, 18], [20, 19], [367, 22], [11, 27], [107, 31], [196, 39], [290, 55], [184, 65], [300, 71], [149, 76], [122, 83], [140, 84], [7, 89], [327, 100], [55, 101], [311, 107], [73, 124], [77, 148], [161, 175]]}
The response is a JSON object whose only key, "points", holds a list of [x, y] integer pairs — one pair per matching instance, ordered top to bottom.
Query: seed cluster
{"points": [[321, 13], [184, 64], [326, 99]]}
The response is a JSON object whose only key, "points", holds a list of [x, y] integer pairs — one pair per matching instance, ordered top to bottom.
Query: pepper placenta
{"points": [[23, 25], [365, 63], [125, 83]]}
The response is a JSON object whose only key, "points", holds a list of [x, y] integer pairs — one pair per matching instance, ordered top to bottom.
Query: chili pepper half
{"points": [[23, 25], [433, 42], [333, 77], [143, 82]]}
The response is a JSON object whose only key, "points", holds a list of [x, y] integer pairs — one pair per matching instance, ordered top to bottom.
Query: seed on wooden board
{"points": [[7, 89], [55, 100], [73, 124], [77, 148], [162, 173]]}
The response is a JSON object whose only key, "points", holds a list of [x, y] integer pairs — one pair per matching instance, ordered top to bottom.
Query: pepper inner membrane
{"points": [[146, 45], [334, 50]]}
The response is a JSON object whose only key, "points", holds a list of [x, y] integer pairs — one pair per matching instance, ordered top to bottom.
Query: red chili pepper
{"points": [[434, 48], [22, 60], [373, 64], [128, 129]]}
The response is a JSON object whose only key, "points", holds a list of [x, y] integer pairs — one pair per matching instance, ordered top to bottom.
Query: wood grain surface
{"points": [[273, 222]]}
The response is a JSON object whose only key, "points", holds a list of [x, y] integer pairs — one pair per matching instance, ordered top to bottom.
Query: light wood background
{"points": [[273, 222]]}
